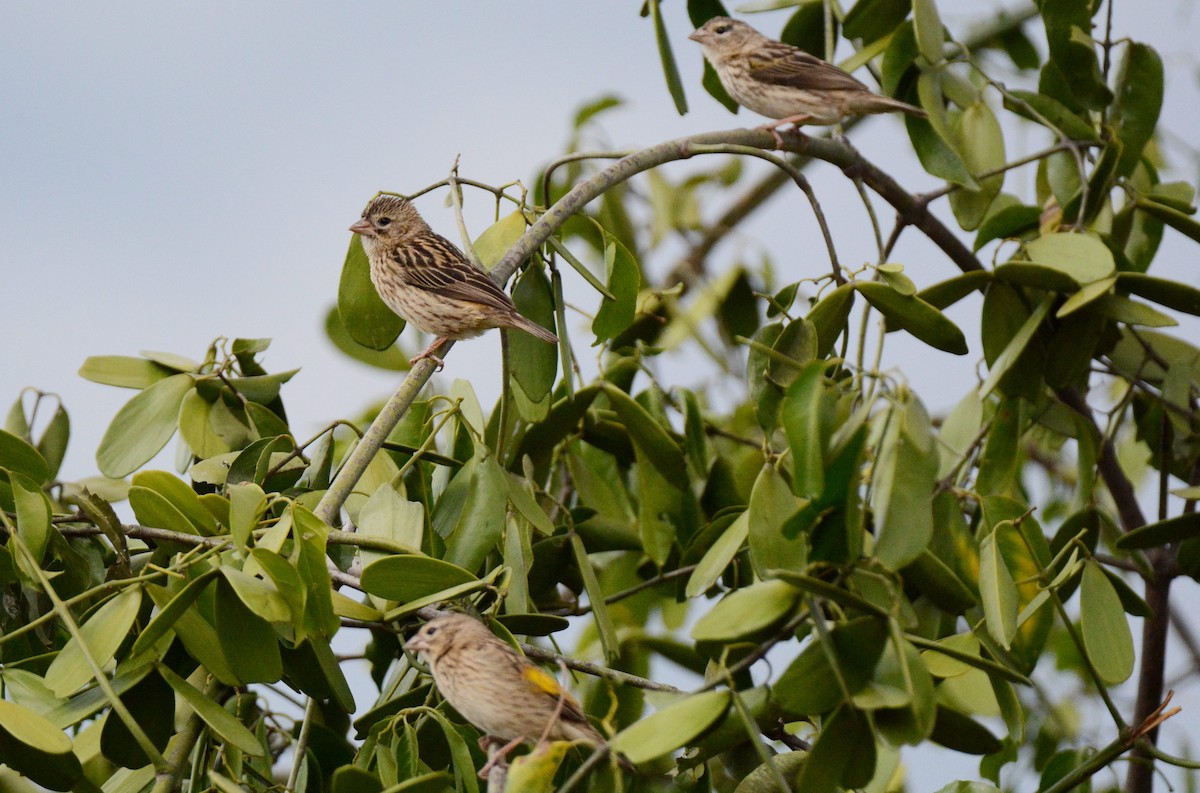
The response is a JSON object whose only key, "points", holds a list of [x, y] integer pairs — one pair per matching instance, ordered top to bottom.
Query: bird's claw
{"points": [[440, 364], [501, 755]]}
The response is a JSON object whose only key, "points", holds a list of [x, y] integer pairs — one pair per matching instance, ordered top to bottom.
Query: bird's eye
{"points": [[722, 29], [383, 222], [430, 631]]}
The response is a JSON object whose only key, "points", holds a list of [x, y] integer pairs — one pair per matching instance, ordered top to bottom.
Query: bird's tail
{"points": [[886, 104], [532, 328]]}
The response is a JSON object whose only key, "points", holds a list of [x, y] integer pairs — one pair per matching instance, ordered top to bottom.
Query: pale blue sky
{"points": [[170, 173]]}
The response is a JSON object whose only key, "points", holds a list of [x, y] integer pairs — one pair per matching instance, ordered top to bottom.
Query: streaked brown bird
{"points": [[783, 82], [424, 278], [496, 688]]}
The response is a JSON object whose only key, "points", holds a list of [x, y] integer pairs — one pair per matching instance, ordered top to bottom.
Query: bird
{"points": [[783, 82], [425, 279], [497, 689]]}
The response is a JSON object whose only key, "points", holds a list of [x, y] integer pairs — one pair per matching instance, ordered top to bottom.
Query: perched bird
{"points": [[783, 82], [424, 278], [496, 688]]}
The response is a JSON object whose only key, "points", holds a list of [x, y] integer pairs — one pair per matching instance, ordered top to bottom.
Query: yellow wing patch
{"points": [[543, 681]]}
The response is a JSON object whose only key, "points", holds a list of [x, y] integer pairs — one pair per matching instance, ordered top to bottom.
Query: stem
{"points": [[310, 713], [167, 779]]}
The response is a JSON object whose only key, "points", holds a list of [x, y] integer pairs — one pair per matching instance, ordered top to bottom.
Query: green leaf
{"points": [[873, 19], [928, 28], [1073, 53], [670, 70], [1138, 103], [1036, 107], [982, 145], [936, 155], [1171, 216], [1011, 222], [496, 239], [1082, 258], [624, 280], [1165, 292], [946, 293], [1087, 294], [1130, 312], [910, 313], [364, 315], [828, 317], [1012, 351], [391, 358], [533, 363], [123, 371], [802, 415], [142, 426], [196, 426], [648, 435], [53, 443], [17, 455], [905, 476], [179, 495], [247, 502], [660, 508], [772, 508], [387, 515], [33, 519], [480, 526], [1163, 532], [310, 533], [718, 556], [407, 578], [998, 591], [263, 596], [746, 611], [170, 613], [1105, 629], [607, 631], [102, 634], [197, 634], [247, 640], [810, 686], [219, 720], [674, 726], [35, 748], [843, 755], [534, 772]]}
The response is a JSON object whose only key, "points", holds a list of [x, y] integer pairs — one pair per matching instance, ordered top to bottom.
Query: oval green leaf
{"points": [[911, 313], [364, 315], [142, 426], [405, 578], [747, 611], [1105, 629], [672, 727]]}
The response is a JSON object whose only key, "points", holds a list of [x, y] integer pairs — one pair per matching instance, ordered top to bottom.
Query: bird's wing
{"points": [[783, 64], [435, 264], [542, 681]]}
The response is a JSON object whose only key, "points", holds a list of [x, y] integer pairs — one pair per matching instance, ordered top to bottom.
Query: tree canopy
{"points": [[775, 577]]}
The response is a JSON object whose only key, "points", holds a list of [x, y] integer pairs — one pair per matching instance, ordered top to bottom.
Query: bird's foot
{"points": [[773, 127], [427, 353], [499, 756]]}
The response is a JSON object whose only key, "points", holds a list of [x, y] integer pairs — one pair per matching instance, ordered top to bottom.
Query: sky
{"points": [[172, 173]]}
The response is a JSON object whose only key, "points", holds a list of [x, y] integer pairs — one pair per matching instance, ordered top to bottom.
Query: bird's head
{"points": [[722, 36], [389, 219], [437, 635]]}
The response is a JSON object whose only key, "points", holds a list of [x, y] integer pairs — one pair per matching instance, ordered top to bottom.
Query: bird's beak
{"points": [[697, 35], [363, 227], [415, 644]]}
